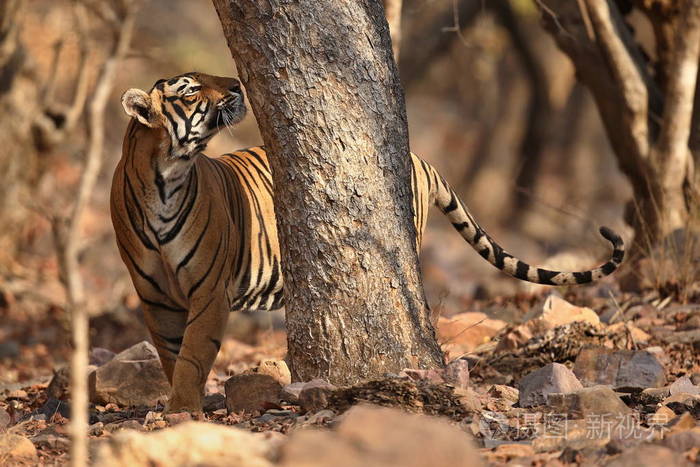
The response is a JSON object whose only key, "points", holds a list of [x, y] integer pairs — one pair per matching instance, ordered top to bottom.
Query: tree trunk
{"points": [[324, 88]]}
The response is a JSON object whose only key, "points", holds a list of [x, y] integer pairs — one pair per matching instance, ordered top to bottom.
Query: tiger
{"points": [[198, 235]]}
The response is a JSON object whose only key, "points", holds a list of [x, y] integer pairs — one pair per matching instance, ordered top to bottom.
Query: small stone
{"points": [[557, 312], [467, 331], [100, 356], [277, 369], [624, 370], [456, 373], [418, 374], [133, 377], [552, 378], [683, 385], [251, 392], [290, 392], [504, 392], [18, 394], [314, 395], [654, 395], [469, 399], [597, 400], [213, 402], [683, 402], [53, 406], [152, 416], [662, 416], [320, 417], [175, 418], [5, 419], [683, 422], [125, 425], [96, 429], [372, 436], [50, 440], [683, 441], [187, 444], [16, 450], [507, 452], [648, 454]]}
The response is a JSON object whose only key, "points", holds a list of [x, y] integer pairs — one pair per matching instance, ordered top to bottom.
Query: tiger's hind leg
{"points": [[167, 327], [201, 342]]}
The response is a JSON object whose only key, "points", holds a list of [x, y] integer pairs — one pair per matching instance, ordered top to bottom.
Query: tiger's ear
{"points": [[138, 104]]}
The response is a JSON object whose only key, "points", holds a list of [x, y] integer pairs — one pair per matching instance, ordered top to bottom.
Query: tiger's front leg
{"points": [[200, 344]]}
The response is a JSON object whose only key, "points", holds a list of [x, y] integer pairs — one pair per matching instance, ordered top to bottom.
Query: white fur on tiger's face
{"points": [[199, 235]]}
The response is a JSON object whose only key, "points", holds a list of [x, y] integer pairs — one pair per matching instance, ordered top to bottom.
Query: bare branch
{"points": [[625, 71], [82, 83], [672, 149], [67, 238]]}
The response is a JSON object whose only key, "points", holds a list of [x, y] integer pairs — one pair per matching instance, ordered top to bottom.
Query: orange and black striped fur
{"points": [[198, 234]]}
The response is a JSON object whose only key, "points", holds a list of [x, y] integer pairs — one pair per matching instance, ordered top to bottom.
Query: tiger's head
{"points": [[191, 108]]}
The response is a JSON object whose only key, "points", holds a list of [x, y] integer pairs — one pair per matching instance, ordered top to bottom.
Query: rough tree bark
{"points": [[324, 88], [647, 116]]}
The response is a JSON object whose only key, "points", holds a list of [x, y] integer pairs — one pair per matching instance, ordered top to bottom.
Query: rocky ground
{"points": [[591, 377]]}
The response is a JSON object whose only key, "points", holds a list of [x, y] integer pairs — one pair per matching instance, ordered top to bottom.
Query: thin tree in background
{"points": [[120, 23], [325, 90], [646, 106]]}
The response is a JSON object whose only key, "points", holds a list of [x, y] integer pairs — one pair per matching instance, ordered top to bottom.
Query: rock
{"points": [[557, 312], [467, 331], [638, 336], [515, 338], [100, 356], [276, 368], [624, 370], [456, 373], [416, 374], [133, 377], [552, 378], [59, 384], [683, 385], [290, 392], [504, 392], [251, 393], [18, 394], [314, 395], [654, 395], [469, 399], [213, 402], [585, 402], [683, 402], [53, 406], [662, 416], [320, 417], [177, 418], [5, 419], [683, 422], [124, 425], [571, 435], [371, 436], [49, 439], [683, 440], [187, 444], [16, 450], [506, 452], [648, 454]]}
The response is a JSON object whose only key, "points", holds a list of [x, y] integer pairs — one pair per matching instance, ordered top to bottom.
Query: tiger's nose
{"points": [[235, 88]]}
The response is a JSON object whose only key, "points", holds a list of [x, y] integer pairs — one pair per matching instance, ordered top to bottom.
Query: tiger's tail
{"points": [[449, 203]]}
